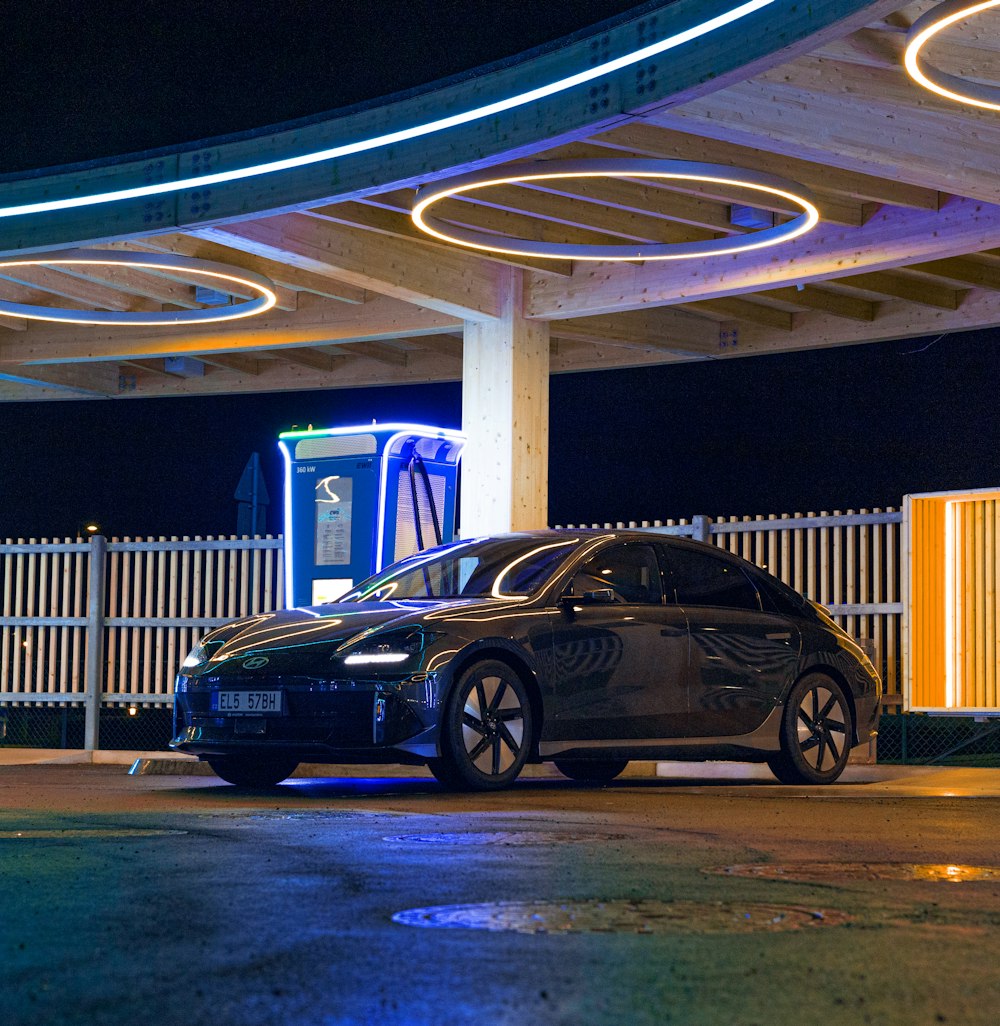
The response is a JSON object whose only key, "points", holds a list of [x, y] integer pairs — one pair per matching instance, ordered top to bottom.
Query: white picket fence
{"points": [[97, 622], [102, 622]]}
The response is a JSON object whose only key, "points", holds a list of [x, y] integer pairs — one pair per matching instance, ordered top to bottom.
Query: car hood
{"points": [[291, 631]]}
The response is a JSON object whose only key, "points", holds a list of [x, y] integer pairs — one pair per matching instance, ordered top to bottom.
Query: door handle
{"points": [[786, 636]]}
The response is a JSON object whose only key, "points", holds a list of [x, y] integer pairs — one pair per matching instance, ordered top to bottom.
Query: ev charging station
{"points": [[359, 498]]}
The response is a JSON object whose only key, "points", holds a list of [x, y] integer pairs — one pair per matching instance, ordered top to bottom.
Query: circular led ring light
{"points": [[952, 87], [662, 170], [219, 276]]}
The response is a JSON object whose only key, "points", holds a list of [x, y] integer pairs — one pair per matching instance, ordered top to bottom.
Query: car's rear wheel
{"points": [[486, 730], [816, 731], [253, 771], [593, 771]]}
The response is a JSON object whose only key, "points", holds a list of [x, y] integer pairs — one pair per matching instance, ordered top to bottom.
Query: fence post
{"points": [[702, 528], [94, 682]]}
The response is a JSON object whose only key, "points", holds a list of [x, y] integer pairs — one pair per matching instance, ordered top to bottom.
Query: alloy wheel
{"points": [[487, 729]]}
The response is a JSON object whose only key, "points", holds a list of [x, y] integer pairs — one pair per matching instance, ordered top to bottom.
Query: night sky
{"points": [[90, 80], [839, 428]]}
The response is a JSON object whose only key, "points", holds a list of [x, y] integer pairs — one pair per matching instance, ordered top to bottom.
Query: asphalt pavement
{"points": [[717, 897]]}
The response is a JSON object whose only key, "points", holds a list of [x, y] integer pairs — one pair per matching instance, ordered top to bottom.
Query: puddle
{"points": [[503, 838], [824, 872], [631, 917]]}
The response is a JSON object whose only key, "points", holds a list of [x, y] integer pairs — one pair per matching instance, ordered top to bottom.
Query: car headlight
{"points": [[388, 649], [201, 653], [195, 657]]}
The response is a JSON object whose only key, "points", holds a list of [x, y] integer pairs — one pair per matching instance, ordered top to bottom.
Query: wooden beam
{"points": [[871, 48], [676, 140], [624, 210], [528, 214], [379, 217], [894, 237], [964, 272], [281, 274], [446, 280], [137, 283], [898, 286], [90, 294], [808, 297], [286, 299], [742, 310], [980, 311], [320, 321], [661, 328], [441, 345], [380, 352], [306, 356], [573, 356], [232, 361], [147, 367], [279, 375], [99, 379]]}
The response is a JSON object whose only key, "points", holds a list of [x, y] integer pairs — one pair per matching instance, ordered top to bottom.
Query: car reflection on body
{"points": [[583, 648]]}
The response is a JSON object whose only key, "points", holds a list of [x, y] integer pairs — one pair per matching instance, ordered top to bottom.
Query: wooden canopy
{"points": [[906, 183]]}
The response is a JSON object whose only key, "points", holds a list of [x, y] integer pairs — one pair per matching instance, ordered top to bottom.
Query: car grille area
{"points": [[328, 715]]}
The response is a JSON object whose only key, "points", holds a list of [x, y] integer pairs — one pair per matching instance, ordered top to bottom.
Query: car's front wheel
{"points": [[485, 731], [816, 732], [252, 771], [593, 771]]}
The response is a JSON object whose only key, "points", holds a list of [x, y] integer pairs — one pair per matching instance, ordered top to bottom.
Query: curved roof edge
{"points": [[665, 55]]}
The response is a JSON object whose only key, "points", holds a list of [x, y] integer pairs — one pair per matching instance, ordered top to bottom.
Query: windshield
{"points": [[490, 568]]}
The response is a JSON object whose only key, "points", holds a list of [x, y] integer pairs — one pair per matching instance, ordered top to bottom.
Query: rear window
{"points": [[697, 578]]}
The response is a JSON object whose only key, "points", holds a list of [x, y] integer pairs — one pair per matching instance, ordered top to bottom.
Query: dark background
{"points": [[86, 79], [840, 428]]}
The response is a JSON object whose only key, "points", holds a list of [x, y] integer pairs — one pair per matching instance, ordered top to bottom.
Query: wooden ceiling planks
{"points": [[907, 246]]}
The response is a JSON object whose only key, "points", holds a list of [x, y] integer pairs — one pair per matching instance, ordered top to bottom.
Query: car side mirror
{"points": [[599, 597]]}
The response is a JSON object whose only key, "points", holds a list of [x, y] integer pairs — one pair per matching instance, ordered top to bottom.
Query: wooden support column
{"points": [[505, 414]]}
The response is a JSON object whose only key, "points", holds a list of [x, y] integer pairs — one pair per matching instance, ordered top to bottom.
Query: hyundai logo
{"points": [[256, 663]]}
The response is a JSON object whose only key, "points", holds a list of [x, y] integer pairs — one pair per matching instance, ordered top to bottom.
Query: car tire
{"points": [[486, 730], [816, 732], [252, 771], [591, 771]]}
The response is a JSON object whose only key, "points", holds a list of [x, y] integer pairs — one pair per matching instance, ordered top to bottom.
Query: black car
{"points": [[585, 648]]}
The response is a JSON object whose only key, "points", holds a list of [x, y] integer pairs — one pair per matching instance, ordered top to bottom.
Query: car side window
{"points": [[630, 570], [703, 579]]}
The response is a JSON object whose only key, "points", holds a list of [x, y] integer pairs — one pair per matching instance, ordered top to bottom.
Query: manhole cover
{"points": [[97, 833], [501, 838], [822, 872], [642, 917]]}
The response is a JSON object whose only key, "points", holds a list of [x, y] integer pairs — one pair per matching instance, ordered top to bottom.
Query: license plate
{"points": [[247, 703]]}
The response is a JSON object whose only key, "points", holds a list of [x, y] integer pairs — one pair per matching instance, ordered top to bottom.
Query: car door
{"points": [[619, 653], [741, 656]]}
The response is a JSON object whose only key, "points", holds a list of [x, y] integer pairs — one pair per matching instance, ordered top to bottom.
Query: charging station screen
{"points": [[334, 499]]}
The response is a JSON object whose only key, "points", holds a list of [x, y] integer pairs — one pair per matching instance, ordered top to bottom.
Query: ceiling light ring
{"points": [[951, 87], [644, 167], [218, 273]]}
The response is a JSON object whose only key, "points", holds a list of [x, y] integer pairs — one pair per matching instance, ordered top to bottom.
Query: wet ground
{"points": [[348, 900]]}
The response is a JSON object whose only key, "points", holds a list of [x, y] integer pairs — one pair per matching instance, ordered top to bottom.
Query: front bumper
{"points": [[322, 721]]}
